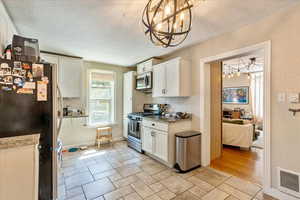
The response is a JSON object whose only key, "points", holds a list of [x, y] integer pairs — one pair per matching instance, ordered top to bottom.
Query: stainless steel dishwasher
{"points": [[188, 150]]}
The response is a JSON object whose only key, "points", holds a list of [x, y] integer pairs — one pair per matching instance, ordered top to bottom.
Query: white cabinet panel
{"points": [[53, 59], [146, 66], [140, 68], [172, 70], [69, 73], [70, 76], [172, 79], [159, 83], [128, 87], [156, 125], [125, 128], [158, 139], [147, 144], [161, 145], [19, 173]]}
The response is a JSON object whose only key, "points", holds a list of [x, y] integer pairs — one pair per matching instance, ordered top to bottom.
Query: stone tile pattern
{"points": [[118, 172]]}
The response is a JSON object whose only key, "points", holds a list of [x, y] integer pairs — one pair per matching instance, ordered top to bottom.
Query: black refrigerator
{"points": [[28, 106]]}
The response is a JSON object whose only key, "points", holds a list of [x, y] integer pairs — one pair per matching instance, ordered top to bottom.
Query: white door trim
{"points": [[205, 103]]}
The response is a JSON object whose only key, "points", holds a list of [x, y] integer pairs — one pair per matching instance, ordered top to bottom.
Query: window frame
{"points": [[113, 99]]}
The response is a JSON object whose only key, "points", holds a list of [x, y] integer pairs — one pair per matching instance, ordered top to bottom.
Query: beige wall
{"points": [[7, 28], [284, 31], [238, 81], [117, 128], [73, 132]]}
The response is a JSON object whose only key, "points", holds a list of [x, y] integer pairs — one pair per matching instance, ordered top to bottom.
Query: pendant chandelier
{"points": [[167, 22], [242, 67]]}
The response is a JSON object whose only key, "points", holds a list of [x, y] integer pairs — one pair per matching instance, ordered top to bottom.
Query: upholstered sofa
{"points": [[240, 135]]}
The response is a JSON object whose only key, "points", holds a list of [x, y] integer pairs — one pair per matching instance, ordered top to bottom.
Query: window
{"points": [[257, 85], [101, 100]]}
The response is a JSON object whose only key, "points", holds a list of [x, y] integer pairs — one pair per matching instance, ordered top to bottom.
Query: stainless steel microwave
{"points": [[144, 81]]}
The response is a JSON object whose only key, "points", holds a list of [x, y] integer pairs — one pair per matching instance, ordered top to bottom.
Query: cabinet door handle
{"points": [[152, 133]]}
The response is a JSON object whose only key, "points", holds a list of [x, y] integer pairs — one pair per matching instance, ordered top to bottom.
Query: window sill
{"points": [[102, 125]]}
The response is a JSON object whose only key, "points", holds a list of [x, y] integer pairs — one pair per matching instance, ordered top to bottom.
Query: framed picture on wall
{"points": [[236, 95]]}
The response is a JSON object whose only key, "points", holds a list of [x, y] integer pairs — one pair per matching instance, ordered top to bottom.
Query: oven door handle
{"points": [[146, 81], [131, 126]]}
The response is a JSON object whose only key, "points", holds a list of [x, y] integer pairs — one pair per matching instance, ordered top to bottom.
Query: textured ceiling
{"points": [[110, 31]]}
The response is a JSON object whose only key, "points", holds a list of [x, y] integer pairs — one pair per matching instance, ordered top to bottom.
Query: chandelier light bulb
{"points": [[168, 10], [182, 16], [175, 26], [158, 27]]}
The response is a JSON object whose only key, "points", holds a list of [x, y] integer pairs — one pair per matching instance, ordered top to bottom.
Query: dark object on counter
{"points": [[25, 49], [65, 111], [22, 114], [183, 115], [188, 151]]}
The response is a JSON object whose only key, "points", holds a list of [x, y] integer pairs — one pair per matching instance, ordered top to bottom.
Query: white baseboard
{"points": [[90, 143], [278, 194]]}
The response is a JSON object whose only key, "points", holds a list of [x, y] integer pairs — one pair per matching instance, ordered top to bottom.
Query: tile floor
{"points": [[119, 172]]}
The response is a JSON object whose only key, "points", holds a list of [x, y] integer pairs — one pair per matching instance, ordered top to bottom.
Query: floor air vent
{"points": [[289, 182]]}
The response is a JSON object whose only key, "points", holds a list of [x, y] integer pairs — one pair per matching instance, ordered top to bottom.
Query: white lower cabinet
{"points": [[158, 139], [155, 142], [147, 144], [161, 145], [19, 173]]}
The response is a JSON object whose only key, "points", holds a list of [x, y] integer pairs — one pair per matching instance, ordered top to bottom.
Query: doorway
{"points": [[205, 103], [237, 116]]}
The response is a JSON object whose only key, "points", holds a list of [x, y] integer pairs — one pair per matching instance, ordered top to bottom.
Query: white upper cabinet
{"points": [[53, 59], [146, 66], [69, 74], [172, 79], [159, 84], [128, 88]]}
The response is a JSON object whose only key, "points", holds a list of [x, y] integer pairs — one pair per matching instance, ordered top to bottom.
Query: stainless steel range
{"points": [[135, 124]]}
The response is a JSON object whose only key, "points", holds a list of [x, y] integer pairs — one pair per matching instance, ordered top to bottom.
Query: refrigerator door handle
{"points": [[61, 110]]}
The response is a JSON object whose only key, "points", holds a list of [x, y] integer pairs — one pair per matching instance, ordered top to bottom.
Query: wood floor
{"points": [[247, 165]]}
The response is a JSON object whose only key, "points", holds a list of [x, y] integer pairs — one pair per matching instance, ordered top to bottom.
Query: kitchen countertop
{"points": [[76, 116], [165, 119], [18, 141]]}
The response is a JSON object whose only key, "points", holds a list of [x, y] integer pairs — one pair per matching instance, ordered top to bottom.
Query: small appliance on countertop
{"points": [[69, 112], [135, 123]]}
